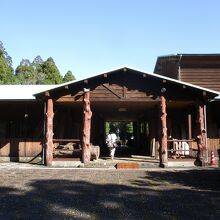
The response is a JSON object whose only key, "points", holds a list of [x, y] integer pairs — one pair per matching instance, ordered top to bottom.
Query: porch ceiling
{"points": [[131, 110]]}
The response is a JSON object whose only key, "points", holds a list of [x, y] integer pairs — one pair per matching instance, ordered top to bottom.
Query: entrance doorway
{"points": [[133, 137]]}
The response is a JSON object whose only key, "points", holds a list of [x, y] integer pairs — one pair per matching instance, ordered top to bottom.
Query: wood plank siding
{"points": [[168, 67], [201, 70], [205, 77], [109, 92], [20, 148]]}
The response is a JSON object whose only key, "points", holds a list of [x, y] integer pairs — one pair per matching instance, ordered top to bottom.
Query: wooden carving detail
{"points": [[87, 115], [49, 133], [163, 138], [200, 160]]}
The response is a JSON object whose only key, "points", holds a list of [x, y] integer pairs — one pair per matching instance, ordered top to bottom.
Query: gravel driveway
{"points": [[41, 193]]}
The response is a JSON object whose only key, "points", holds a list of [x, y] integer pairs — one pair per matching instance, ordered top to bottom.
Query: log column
{"points": [[87, 115], [49, 133], [163, 135], [200, 160]]}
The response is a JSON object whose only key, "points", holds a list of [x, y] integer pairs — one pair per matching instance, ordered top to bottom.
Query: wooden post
{"points": [[87, 115], [189, 117], [189, 126], [49, 133], [163, 136], [200, 160]]}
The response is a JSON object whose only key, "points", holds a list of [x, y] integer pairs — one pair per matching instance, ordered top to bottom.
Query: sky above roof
{"points": [[89, 37]]}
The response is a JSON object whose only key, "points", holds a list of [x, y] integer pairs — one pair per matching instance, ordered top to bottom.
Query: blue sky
{"points": [[91, 36]]}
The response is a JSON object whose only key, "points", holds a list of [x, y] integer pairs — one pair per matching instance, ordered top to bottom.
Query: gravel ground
{"points": [[40, 193]]}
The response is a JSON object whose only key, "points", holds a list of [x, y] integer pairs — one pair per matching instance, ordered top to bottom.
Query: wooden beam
{"points": [[105, 75], [86, 81], [66, 87], [112, 90], [124, 92], [47, 93], [87, 115], [49, 133], [163, 135], [200, 160]]}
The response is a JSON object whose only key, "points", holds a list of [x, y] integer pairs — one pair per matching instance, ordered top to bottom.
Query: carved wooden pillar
{"points": [[87, 115], [49, 133], [163, 136], [200, 160]]}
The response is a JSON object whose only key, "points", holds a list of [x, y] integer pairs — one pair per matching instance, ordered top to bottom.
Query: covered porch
{"points": [[163, 112]]}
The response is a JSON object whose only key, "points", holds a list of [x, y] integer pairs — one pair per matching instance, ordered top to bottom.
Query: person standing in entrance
{"points": [[111, 141]]}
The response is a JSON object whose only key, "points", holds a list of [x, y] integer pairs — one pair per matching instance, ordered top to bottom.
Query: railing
{"points": [[67, 140], [182, 148]]}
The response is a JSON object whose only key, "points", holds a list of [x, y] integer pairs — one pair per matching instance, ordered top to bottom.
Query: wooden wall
{"points": [[167, 67], [199, 70], [205, 77], [109, 92], [21, 119], [213, 145], [19, 148]]}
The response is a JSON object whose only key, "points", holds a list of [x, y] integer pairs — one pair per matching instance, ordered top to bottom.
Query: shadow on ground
{"points": [[154, 195]]}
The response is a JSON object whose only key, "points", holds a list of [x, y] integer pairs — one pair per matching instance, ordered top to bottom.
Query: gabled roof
{"points": [[154, 75], [30, 92]]}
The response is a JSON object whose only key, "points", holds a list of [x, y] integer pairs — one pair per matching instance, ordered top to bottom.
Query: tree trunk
{"points": [[87, 115], [49, 133], [163, 136], [200, 160]]}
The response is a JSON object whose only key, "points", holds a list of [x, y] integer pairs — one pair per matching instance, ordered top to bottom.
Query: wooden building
{"points": [[202, 70], [158, 107]]}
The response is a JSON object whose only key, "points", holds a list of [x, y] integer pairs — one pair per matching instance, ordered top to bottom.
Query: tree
{"points": [[5, 54], [38, 60], [38, 68], [6, 70], [51, 72], [25, 73], [68, 77]]}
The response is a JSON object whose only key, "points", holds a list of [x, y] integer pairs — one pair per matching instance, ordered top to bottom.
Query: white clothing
{"points": [[111, 140], [111, 143], [112, 152]]}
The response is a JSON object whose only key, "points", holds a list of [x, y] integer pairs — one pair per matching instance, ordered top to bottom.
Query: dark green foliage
{"points": [[5, 54], [38, 68], [6, 70], [37, 72], [51, 72], [25, 73], [68, 77], [124, 126]]}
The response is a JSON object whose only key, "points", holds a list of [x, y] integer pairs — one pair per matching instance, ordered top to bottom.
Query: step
{"points": [[66, 163], [181, 163], [122, 165]]}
